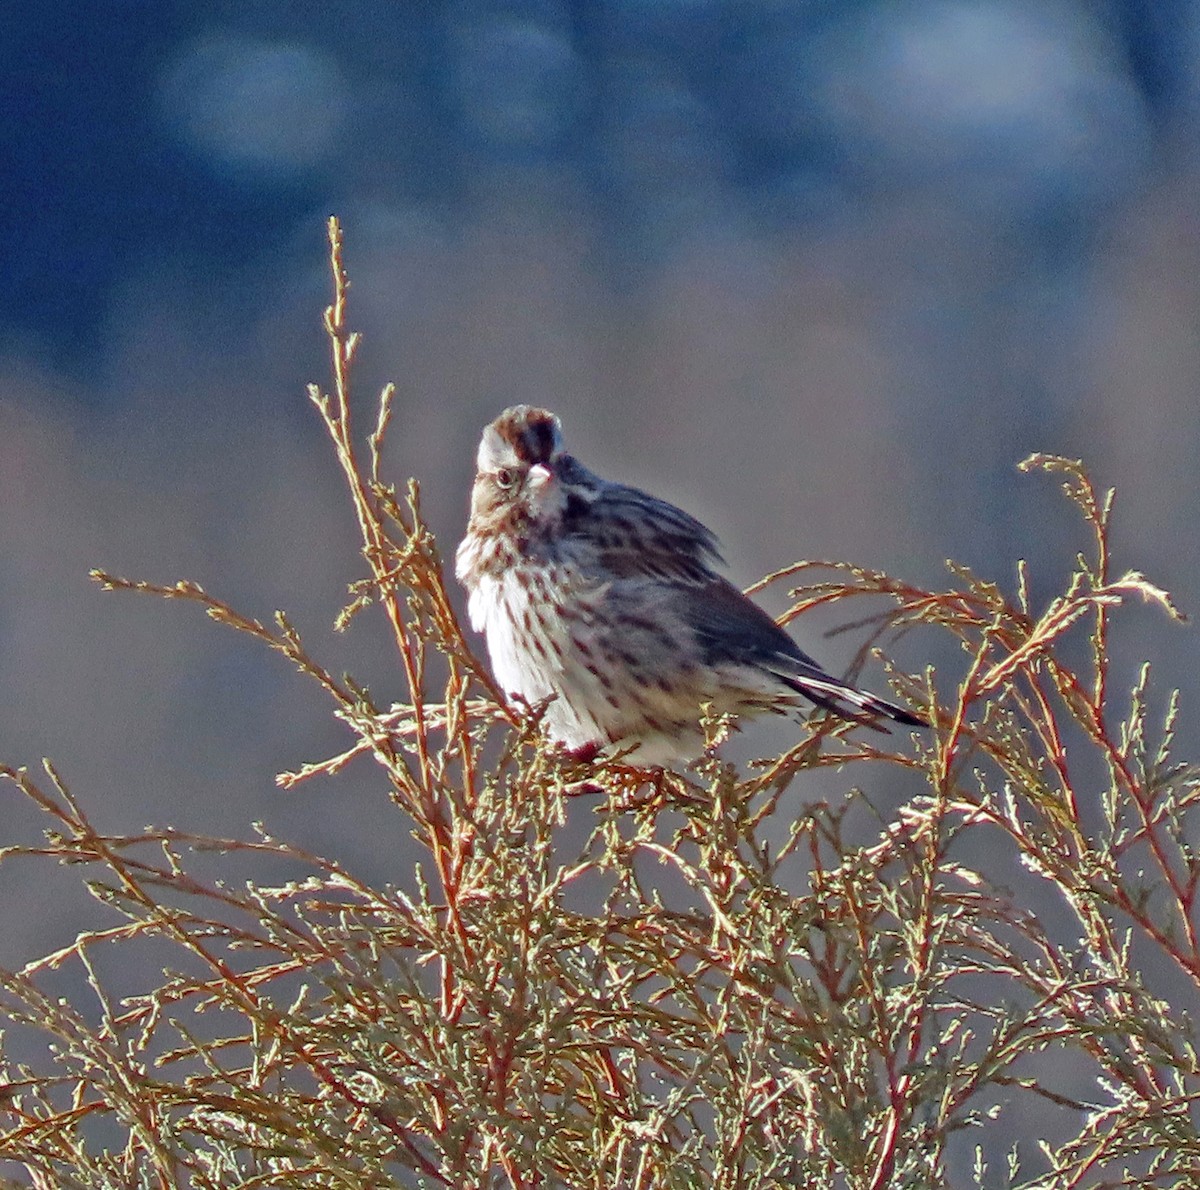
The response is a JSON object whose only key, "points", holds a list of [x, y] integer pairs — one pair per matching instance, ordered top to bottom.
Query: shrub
{"points": [[656, 1007]]}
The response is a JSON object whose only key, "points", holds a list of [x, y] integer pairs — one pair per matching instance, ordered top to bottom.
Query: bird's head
{"points": [[521, 468]]}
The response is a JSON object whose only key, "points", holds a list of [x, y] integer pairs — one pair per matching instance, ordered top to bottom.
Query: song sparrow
{"points": [[605, 601]]}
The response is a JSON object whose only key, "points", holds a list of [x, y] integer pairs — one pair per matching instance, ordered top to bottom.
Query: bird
{"points": [[603, 606]]}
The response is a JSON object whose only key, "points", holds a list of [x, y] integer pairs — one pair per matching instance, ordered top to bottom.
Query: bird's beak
{"points": [[539, 476]]}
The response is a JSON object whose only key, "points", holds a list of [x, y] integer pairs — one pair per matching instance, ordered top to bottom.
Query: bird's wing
{"points": [[637, 536], [733, 630]]}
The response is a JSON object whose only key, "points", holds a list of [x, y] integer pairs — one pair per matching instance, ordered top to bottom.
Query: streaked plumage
{"points": [[606, 601]]}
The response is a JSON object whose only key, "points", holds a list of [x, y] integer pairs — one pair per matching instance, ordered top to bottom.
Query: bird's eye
{"points": [[506, 477]]}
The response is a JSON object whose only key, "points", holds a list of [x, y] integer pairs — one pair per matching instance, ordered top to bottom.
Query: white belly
{"points": [[534, 656], [600, 672]]}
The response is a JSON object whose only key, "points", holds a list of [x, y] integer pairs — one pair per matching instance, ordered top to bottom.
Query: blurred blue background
{"points": [[897, 244], [823, 272]]}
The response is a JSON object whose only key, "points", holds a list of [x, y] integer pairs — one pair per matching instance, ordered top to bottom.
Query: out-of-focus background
{"points": [[823, 272]]}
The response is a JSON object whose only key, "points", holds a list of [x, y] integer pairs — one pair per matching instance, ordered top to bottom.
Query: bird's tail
{"points": [[848, 702]]}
